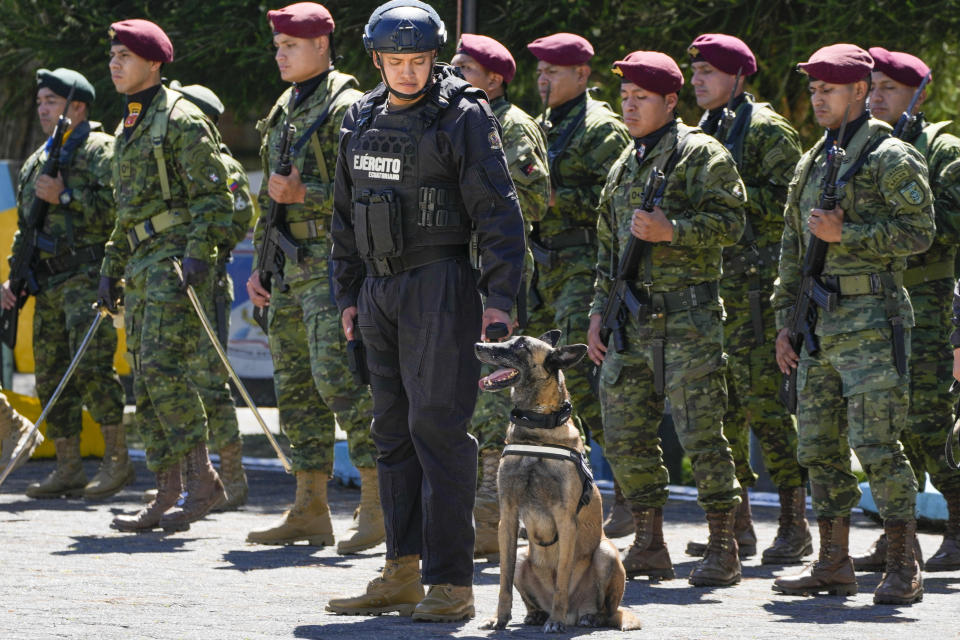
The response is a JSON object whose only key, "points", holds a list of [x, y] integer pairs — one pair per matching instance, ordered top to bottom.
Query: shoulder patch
{"points": [[494, 139], [912, 193]]}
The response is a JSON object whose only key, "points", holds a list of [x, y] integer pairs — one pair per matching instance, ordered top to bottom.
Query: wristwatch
{"points": [[66, 197]]}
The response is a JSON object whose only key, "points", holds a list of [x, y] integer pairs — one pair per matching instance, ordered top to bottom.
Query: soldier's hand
{"points": [[49, 189], [287, 189], [826, 225], [652, 226], [194, 272], [108, 293], [259, 296], [7, 299], [492, 315], [349, 319], [596, 350], [787, 358]]}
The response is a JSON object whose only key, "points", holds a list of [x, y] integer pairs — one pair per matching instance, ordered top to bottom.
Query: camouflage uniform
{"points": [[526, 151], [766, 156], [577, 173], [704, 200], [929, 278], [68, 284], [163, 331], [313, 383], [851, 393]]}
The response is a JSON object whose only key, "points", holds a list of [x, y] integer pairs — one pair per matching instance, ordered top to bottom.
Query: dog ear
{"points": [[552, 337], [565, 357]]}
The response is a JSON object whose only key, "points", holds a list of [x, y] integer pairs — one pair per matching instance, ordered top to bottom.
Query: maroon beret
{"points": [[302, 20], [144, 38], [564, 49], [489, 53], [727, 53], [838, 64], [902, 67], [650, 70]]}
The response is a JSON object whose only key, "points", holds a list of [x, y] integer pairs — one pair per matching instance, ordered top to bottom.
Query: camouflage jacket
{"points": [[526, 149], [316, 159], [579, 171], [198, 187], [703, 198], [243, 206], [888, 215], [89, 217]]}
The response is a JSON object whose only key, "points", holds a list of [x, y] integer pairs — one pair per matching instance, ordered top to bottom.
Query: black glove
{"points": [[194, 271], [108, 293]]}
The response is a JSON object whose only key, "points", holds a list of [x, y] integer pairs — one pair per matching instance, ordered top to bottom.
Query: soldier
{"points": [[488, 65], [766, 149], [421, 164], [173, 202], [77, 224], [929, 278], [674, 346], [314, 386], [854, 390]]}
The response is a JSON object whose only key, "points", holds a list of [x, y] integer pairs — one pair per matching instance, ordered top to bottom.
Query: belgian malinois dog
{"points": [[571, 574]]}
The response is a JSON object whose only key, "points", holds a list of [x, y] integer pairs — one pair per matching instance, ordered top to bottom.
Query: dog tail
{"points": [[624, 620]]}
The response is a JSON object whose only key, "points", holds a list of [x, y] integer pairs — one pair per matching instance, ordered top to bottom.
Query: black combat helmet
{"points": [[404, 26]]}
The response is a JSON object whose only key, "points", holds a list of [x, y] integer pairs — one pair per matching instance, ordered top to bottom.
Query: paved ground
{"points": [[66, 574]]}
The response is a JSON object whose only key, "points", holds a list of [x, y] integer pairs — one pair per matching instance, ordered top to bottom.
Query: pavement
{"points": [[66, 574]]}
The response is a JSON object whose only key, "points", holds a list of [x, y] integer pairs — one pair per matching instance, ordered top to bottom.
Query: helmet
{"points": [[404, 26]]}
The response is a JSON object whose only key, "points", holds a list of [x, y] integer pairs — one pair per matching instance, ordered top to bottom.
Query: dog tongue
{"points": [[493, 377]]}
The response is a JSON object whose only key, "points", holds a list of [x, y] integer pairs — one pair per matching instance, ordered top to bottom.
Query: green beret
{"points": [[61, 80], [204, 98]]}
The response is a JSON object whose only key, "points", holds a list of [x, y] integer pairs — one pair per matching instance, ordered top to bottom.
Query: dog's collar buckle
{"points": [[534, 420]]}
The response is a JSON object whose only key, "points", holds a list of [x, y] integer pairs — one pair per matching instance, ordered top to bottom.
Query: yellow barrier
{"points": [[91, 440]]}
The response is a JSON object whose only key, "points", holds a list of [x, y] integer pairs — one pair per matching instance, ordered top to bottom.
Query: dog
{"points": [[571, 574]]}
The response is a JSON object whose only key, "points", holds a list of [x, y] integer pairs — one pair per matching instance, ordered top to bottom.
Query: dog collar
{"points": [[534, 420]]}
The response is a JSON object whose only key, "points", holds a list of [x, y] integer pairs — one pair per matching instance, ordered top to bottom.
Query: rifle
{"points": [[729, 115], [907, 118], [277, 247], [23, 282], [803, 319]]}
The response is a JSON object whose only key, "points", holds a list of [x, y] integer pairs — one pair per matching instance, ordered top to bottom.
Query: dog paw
{"points": [[535, 618], [588, 620], [495, 623], [554, 626]]}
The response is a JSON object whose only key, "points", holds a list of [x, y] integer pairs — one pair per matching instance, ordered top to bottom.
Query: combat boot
{"points": [[13, 427], [116, 469], [233, 476], [68, 479], [169, 487], [203, 490], [486, 508], [368, 517], [308, 519], [619, 521], [742, 529], [793, 540], [648, 555], [947, 557], [875, 559], [720, 566], [832, 572], [902, 583], [397, 589], [445, 603]]}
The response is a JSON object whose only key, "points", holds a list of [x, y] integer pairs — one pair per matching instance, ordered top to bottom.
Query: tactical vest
{"points": [[407, 209]]}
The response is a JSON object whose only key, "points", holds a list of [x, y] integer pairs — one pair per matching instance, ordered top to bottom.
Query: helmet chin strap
{"points": [[399, 94]]}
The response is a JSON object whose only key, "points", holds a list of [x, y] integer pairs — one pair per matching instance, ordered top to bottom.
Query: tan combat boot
{"points": [[13, 427], [116, 469], [233, 476], [68, 479], [169, 487], [203, 490], [486, 508], [368, 517], [308, 519], [619, 521], [742, 529], [793, 540], [648, 555], [947, 557], [875, 559], [720, 566], [832, 572], [902, 582], [397, 589], [445, 603]]}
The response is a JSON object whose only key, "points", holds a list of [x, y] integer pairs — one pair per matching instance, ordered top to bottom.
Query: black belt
{"points": [[577, 237], [88, 254], [747, 260], [379, 267], [691, 297]]}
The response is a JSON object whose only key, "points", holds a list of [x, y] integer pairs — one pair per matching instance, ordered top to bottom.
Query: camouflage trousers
{"points": [[64, 313], [165, 340], [931, 370], [311, 375], [694, 383], [753, 387], [851, 395]]}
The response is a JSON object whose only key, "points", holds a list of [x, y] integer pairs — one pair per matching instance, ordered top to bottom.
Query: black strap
{"points": [[319, 122], [563, 139], [734, 141], [861, 160], [657, 199], [534, 420], [562, 453]]}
